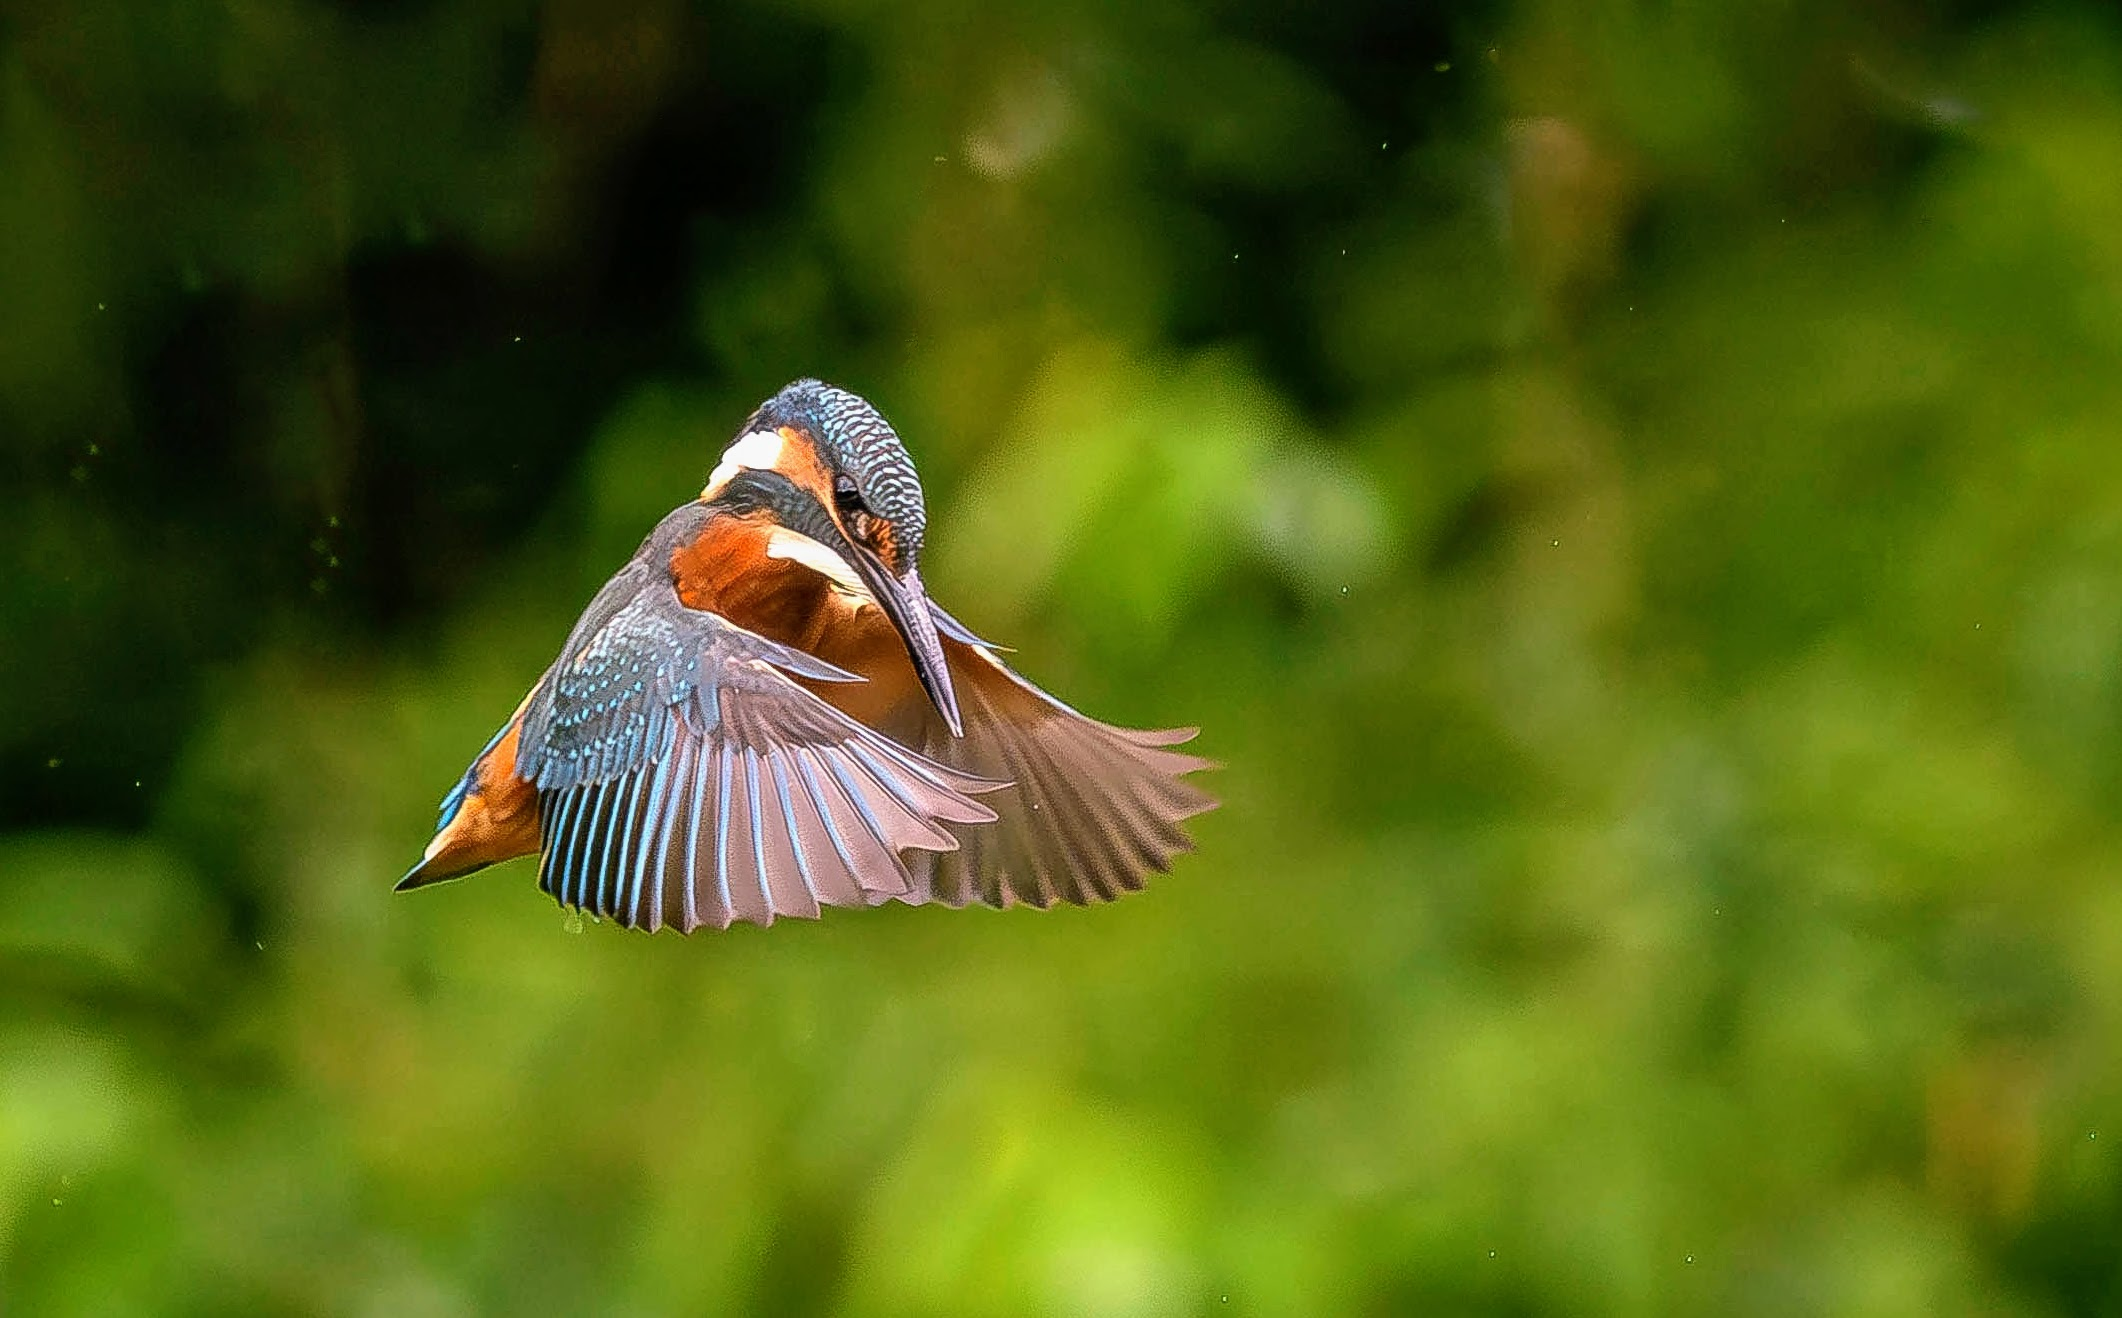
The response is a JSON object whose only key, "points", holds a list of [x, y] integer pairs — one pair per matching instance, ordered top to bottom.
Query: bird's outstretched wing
{"points": [[683, 779], [1090, 809]]}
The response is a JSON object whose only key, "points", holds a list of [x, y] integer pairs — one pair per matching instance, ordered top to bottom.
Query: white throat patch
{"points": [[758, 451], [799, 548]]}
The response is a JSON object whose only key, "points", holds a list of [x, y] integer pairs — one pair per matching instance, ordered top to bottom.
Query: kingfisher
{"points": [[763, 713]]}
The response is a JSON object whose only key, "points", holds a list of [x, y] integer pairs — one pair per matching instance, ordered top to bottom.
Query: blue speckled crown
{"points": [[861, 443]]}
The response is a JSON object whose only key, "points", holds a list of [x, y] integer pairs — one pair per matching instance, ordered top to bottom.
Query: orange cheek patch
{"points": [[802, 463], [881, 540]]}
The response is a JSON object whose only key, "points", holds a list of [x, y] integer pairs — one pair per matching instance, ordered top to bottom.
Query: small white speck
{"points": [[1383, 145], [939, 160], [1233, 256], [99, 307], [519, 338], [1555, 543], [1978, 626], [136, 782], [260, 946], [2092, 1134], [55, 1198], [1491, 1253], [1690, 1258]]}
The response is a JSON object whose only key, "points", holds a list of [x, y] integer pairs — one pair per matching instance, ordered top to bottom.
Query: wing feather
{"points": [[685, 779], [725, 799], [1091, 810], [654, 819], [855, 823], [754, 850], [833, 874], [800, 895]]}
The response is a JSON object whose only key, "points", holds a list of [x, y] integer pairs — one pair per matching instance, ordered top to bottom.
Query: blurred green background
{"points": [[1632, 491]]}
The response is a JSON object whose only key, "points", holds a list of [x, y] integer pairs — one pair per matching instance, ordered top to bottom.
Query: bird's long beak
{"points": [[905, 602]]}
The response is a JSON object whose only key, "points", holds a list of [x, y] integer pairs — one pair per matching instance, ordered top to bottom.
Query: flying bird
{"points": [[763, 713]]}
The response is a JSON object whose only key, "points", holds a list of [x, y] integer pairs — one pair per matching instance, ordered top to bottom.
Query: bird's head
{"points": [[832, 476]]}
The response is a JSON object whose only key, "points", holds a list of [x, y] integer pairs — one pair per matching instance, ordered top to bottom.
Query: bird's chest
{"points": [[734, 576]]}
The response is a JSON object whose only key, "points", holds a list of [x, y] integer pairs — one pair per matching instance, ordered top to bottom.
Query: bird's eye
{"points": [[846, 495]]}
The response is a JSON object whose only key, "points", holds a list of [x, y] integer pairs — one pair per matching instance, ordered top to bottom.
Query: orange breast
{"points": [[726, 571], [860, 639]]}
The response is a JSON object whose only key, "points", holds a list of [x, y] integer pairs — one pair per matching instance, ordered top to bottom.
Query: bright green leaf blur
{"points": [[1632, 495]]}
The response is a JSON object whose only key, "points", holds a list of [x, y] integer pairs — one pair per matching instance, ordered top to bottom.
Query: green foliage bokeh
{"points": [[1632, 493]]}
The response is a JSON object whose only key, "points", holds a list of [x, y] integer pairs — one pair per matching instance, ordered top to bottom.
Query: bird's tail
{"points": [[489, 816]]}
